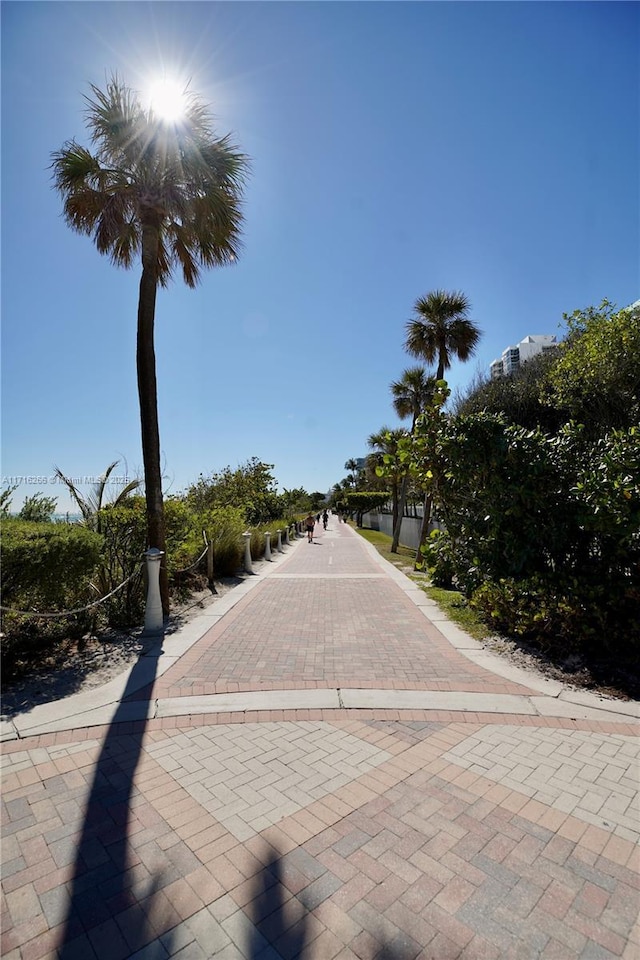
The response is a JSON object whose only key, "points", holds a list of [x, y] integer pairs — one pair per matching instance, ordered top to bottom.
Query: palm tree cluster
{"points": [[166, 193], [438, 332]]}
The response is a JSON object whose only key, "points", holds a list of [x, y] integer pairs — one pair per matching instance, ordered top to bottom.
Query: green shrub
{"points": [[595, 380], [250, 487], [38, 508], [224, 527], [545, 530], [124, 532], [183, 532], [259, 540], [258, 543], [439, 559], [46, 567], [565, 616]]}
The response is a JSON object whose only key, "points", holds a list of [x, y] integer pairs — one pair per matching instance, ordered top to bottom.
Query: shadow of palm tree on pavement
{"points": [[110, 901], [281, 922]]}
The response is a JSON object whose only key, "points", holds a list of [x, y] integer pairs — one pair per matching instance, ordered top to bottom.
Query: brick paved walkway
{"points": [[322, 767]]}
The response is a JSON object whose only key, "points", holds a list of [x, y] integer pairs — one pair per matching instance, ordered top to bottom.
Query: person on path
{"points": [[325, 519], [309, 524]]}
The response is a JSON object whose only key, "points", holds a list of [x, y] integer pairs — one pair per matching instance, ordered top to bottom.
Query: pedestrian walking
{"points": [[309, 524]]}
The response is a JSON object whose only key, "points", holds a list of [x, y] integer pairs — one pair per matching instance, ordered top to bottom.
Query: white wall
{"points": [[409, 534]]}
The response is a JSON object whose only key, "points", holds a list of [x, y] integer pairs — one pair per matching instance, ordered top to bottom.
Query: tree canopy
{"points": [[441, 329], [596, 379]]}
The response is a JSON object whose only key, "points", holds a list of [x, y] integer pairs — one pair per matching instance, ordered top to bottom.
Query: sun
{"points": [[166, 97]]}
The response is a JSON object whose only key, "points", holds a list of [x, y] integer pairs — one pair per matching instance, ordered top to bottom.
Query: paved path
{"points": [[322, 765]]}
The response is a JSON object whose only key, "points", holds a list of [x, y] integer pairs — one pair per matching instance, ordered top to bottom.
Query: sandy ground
{"points": [[94, 660]]}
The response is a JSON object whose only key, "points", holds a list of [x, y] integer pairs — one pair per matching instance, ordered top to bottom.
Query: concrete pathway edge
{"points": [[95, 707]]}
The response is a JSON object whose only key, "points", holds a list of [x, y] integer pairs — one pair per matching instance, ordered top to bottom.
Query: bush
{"points": [[596, 379], [518, 396], [251, 487], [38, 508], [224, 527], [545, 531], [124, 533], [125, 541], [439, 559], [45, 567], [565, 616]]}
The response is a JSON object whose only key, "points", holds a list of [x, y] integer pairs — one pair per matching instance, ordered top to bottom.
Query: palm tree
{"points": [[170, 193], [441, 330], [410, 396], [385, 443], [352, 466], [91, 505]]}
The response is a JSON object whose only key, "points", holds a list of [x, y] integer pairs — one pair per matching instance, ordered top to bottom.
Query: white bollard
{"points": [[279, 544], [267, 546], [247, 552], [153, 615]]}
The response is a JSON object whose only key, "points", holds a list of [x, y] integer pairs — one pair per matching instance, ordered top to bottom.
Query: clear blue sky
{"points": [[396, 148]]}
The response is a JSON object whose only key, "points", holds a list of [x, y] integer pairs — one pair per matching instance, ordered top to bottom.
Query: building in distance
{"points": [[513, 357]]}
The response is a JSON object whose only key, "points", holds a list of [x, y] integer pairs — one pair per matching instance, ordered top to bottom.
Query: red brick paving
{"points": [[417, 859]]}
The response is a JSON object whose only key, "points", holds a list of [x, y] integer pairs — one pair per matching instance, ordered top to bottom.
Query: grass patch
{"points": [[403, 559], [450, 602], [457, 609]]}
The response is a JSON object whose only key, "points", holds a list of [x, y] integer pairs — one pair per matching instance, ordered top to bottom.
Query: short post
{"points": [[286, 535], [279, 543], [267, 546], [247, 552], [210, 561], [153, 615]]}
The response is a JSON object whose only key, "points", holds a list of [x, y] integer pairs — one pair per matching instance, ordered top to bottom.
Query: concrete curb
{"points": [[99, 706]]}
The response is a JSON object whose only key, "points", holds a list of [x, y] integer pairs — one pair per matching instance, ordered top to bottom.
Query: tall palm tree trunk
{"points": [[148, 397], [428, 497], [402, 500], [394, 504], [397, 527], [424, 529]]}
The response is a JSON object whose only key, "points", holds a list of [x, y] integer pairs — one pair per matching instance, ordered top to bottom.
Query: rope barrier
{"points": [[196, 562], [67, 613], [70, 613]]}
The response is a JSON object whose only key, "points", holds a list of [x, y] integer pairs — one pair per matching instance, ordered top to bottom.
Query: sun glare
{"points": [[167, 98]]}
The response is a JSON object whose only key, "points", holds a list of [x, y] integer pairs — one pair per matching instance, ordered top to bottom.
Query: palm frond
{"points": [[73, 166], [186, 178], [113, 221], [126, 245], [181, 249], [441, 329], [420, 340], [412, 392], [99, 488], [126, 491], [82, 504]]}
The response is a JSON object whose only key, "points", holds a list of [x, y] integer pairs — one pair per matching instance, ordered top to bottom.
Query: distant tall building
{"points": [[513, 357]]}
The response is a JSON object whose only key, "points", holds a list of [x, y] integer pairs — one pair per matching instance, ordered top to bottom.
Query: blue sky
{"points": [[396, 148]]}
